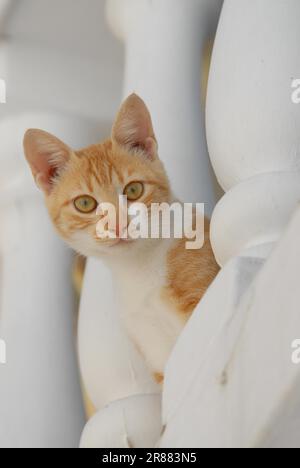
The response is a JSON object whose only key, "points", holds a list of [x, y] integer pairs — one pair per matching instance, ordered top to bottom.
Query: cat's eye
{"points": [[134, 191], [85, 204]]}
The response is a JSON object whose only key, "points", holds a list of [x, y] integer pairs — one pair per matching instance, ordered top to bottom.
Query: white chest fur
{"points": [[151, 323]]}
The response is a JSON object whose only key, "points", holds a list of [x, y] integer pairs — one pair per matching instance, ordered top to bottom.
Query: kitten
{"points": [[159, 281]]}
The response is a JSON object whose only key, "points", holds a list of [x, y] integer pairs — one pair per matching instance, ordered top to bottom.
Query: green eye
{"points": [[134, 191], [85, 204]]}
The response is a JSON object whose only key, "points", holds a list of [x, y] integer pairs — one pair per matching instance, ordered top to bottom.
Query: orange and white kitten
{"points": [[159, 281]]}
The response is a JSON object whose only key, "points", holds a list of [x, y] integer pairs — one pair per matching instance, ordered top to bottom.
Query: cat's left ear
{"points": [[133, 127], [46, 156]]}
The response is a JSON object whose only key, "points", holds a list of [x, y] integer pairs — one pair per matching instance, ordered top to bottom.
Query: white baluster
{"points": [[164, 44], [253, 126], [235, 393], [40, 397]]}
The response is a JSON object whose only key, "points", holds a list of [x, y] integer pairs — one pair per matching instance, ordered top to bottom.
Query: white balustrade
{"points": [[164, 42], [230, 381], [242, 390]]}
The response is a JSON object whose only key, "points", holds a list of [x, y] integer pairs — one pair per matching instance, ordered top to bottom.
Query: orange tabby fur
{"points": [[102, 171], [190, 272]]}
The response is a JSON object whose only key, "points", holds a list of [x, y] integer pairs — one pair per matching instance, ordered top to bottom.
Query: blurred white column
{"points": [[4, 7], [164, 42], [235, 393], [40, 397]]}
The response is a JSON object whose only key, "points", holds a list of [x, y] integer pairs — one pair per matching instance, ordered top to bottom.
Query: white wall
{"points": [[62, 56]]}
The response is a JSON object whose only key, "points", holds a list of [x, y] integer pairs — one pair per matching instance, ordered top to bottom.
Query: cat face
{"points": [[77, 183]]}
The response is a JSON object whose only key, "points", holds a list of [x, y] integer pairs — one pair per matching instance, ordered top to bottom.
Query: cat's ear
{"points": [[133, 127], [46, 155]]}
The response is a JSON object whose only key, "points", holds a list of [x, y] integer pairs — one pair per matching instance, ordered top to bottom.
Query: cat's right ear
{"points": [[46, 156]]}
